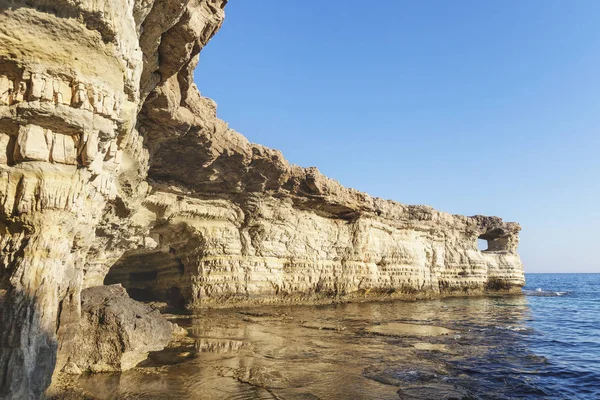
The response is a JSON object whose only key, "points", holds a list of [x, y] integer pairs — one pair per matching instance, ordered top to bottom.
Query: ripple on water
{"points": [[544, 293], [403, 329], [526, 347]]}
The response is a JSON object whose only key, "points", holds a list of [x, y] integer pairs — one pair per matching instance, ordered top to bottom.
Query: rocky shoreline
{"points": [[115, 170], [157, 344], [383, 349]]}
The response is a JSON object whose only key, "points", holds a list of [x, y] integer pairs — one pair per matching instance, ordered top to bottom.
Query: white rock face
{"points": [[113, 168], [214, 252]]}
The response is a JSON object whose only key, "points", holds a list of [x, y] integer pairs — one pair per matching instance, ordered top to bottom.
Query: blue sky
{"points": [[472, 107]]}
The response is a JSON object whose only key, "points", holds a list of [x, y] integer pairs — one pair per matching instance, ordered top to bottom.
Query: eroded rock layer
{"points": [[113, 168], [261, 248]]}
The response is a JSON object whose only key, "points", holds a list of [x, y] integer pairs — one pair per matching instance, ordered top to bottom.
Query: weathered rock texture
{"points": [[111, 160], [264, 248], [115, 333]]}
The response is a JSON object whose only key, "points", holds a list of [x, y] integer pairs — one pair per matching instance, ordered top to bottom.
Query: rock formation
{"points": [[114, 168], [115, 333]]}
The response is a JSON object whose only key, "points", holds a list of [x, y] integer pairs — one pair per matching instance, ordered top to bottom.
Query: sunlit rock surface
{"points": [[114, 169], [265, 247]]}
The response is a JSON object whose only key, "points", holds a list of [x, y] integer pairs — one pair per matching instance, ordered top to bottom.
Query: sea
{"points": [[543, 344]]}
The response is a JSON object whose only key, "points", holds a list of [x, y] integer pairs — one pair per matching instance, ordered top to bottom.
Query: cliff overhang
{"points": [[115, 169]]}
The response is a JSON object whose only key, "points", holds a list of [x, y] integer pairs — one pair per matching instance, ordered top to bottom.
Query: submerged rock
{"points": [[431, 347], [261, 376], [434, 392]]}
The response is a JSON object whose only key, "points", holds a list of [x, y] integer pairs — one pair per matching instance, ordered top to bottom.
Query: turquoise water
{"points": [[544, 344]]}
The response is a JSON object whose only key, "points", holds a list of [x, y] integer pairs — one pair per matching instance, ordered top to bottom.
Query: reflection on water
{"points": [[452, 348]]}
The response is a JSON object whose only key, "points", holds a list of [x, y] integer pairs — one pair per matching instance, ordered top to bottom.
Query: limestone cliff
{"points": [[114, 169]]}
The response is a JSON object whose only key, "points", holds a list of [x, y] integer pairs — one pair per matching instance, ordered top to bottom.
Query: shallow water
{"points": [[543, 344]]}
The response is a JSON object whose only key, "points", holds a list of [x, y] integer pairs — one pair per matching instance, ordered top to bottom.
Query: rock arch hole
{"points": [[496, 240], [482, 244]]}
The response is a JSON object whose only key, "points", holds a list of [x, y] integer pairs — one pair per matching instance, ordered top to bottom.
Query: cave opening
{"points": [[150, 276]]}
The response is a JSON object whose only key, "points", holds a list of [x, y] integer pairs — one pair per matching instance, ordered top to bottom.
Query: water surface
{"points": [[544, 344]]}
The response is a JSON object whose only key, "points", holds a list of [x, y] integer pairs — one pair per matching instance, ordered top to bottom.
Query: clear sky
{"points": [[470, 106]]}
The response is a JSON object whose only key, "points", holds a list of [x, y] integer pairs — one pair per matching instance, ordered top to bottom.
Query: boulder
{"points": [[115, 332]]}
